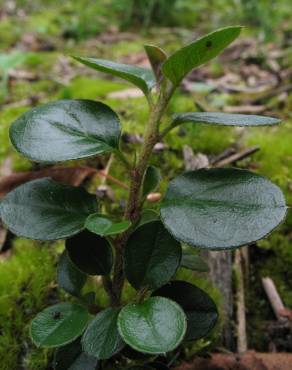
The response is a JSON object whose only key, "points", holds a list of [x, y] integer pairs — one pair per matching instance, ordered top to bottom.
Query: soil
{"points": [[251, 360]]}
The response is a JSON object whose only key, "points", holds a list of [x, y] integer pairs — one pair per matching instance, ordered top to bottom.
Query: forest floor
{"points": [[250, 77]]}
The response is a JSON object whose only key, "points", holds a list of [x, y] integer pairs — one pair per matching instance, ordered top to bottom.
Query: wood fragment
{"points": [[225, 154], [236, 157], [274, 297], [240, 302]]}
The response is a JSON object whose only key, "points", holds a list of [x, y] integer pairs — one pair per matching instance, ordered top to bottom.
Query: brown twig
{"points": [[236, 157]]}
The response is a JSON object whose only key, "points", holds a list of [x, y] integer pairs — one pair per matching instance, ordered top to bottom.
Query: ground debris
{"points": [[251, 360]]}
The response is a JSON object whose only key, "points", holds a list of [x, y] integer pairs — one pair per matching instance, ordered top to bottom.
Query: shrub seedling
{"points": [[208, 208]]}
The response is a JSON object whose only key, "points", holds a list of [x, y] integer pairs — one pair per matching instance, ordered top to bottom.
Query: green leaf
{"points": [[156, 57], [179, 64], [143, 78], [223, 119], [65, 130], [151, 180], [221, 208], [46, 210], [148, 215], [102, 226], [91, 253], [152, 256], [192, 261], [69, 277], [200, 309], [58, 325], [157, 325], [102, 339], [71, 357]]}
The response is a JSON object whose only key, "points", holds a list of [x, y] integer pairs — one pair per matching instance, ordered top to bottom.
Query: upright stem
{"points": [[134, 203]]}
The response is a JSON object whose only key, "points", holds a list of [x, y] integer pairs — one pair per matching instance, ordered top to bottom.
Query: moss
{"points": [[10, 31], [89, 88], [25, 289]]}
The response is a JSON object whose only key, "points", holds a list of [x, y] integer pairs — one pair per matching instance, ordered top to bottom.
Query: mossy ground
{"points": [[27, 278]]}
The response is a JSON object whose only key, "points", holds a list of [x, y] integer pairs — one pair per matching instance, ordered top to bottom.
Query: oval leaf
{"points": [[156, 57], [179, 64], [143, 78], [223, 119], [65, 130], [151, 180], [221, 208], [46, 210], [148, 215], [102, 226], [91, 253], [152, 256], [193, 261], [69, 277], [200, 309], [58, 325], [157, 325], [102, 339], [71, 357]]}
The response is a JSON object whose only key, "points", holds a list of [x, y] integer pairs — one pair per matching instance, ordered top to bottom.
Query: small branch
{"points": [[236, 157], [112, 179], [134, 202], [274, 297], [240, 303]]}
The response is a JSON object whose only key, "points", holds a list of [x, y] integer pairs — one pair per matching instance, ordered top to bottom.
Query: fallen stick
{"points": [[236, 157], [274, 297], [240, 302]]}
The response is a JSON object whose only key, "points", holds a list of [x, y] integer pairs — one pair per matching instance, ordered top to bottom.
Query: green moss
{"points": [[10, 31], [89, 88], [7, 116], [25, 288]]}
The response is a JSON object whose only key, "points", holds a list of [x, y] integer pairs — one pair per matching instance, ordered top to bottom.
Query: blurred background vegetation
{"points": [[37, 38]]}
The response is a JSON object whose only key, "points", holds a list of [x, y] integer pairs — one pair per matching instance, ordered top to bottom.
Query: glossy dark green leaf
{"points": [[156, 57], [179, 64], [143, 78], [223, 119], [65, 130], [151, 180], [221, 208], [46, 210], [148, 215], [103, 226], [91, 253], [152, 256], [192, 261], [69, 277], [200, 309], [58, 325], [157, 325], [102, 339], [71, 357]]}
